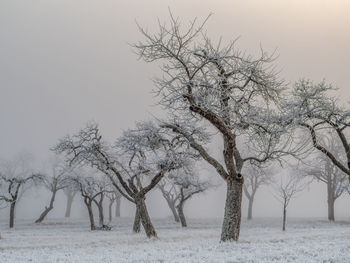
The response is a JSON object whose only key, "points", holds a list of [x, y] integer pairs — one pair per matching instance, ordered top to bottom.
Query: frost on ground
{"points": [[261, 241]]}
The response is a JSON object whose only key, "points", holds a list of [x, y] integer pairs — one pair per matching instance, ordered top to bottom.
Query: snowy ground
{"points": [[261, 241]]}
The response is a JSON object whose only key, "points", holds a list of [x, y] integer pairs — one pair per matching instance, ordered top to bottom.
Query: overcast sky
{"points": [[64, 62]]}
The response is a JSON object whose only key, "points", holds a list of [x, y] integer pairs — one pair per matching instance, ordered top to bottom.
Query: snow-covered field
{"points": [[261, 240]]}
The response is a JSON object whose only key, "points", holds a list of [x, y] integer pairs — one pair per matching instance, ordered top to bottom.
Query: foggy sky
{"points": [[63, 63]]}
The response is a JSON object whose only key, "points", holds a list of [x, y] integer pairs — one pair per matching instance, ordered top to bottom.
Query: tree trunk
{"points": [[88, 204], [69, 205], [99, 205], [117, 207], [250, 208], [331, 208], [47, 209], [110, 210], [173, 210], [12, 213], [100, 215], [181, 215], [284, 217], [232, 218], [145, 219], [137, 221]]}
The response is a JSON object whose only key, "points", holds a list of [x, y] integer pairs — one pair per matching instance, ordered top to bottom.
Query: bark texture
{"points": [[181, 215], [232, 218], [145, 219], [137, 221]]}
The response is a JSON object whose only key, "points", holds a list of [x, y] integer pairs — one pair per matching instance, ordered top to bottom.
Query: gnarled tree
{"points": [[223, 88], [134, 164], [14, 176], [54, 182], [92, 187]]}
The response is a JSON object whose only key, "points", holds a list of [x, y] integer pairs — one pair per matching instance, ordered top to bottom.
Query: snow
{"points": [[61, 240]]}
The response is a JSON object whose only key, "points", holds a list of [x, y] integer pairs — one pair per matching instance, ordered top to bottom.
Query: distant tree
{"points": [[208, 83], [312, 108], [134, 164], [325, 171], [14, 175], [255, 177], [54, 182], [189, 186], [289, 186], [178, 187], [92, 188], [70, 192], [170, 194], [114, 197]]}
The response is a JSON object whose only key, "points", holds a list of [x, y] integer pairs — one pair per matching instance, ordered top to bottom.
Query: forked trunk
{"points": [[69, 205], [117, 207], [47, 209], [173, 210], [180, 210], [12, 214], [232, 218], [145, 219], [137, 221]]}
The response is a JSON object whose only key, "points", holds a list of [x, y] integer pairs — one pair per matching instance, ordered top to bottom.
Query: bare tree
{"points": [[218, 85], [314, 109], [134, 164], [325, 171], [14, 175], [255, 177], [53, 182], [179, 186], [189, 186], [289, 186], [92, 188], [170, 194], [114, 197]]}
